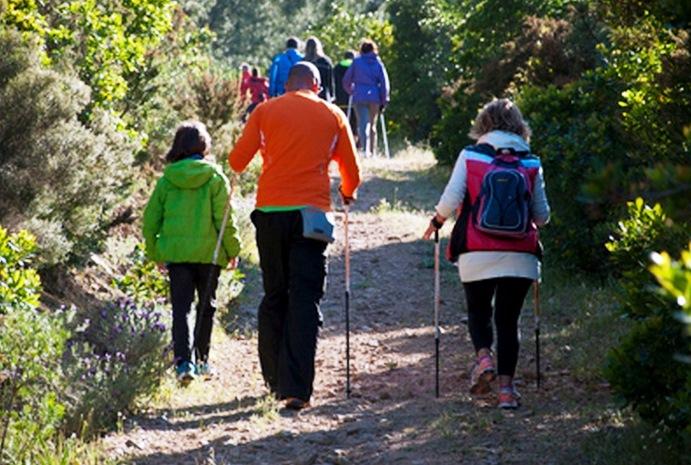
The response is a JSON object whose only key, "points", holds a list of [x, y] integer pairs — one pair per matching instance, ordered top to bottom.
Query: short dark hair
{"points": [[292, 42], [367, 46], [349, 55], [191, 138]]}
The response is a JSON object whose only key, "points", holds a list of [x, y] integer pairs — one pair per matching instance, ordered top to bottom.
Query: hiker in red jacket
{"points": [[259, 91]]}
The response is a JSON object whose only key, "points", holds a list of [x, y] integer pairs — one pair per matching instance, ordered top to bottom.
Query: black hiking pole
{"points": [[347, 297], [536, 297], [436, 310]]}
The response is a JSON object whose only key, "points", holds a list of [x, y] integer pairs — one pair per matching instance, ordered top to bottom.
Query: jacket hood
{"points": [[294, 55], [370, 57], [502, 139], [189, 173]]}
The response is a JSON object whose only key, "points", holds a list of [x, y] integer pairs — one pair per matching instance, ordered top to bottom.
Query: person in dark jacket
{"points": [[314, 53], [280, 67], [367, 81], [342, 96], [182, 221]]}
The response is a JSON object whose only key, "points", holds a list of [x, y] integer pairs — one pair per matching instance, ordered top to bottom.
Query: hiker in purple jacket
{"points": [[366, 80]]}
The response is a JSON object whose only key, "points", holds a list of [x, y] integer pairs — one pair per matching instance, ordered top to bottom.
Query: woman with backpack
{"points": [[496, 266]]}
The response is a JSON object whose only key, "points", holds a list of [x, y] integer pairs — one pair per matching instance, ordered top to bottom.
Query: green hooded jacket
{"points": [[185, 212]]}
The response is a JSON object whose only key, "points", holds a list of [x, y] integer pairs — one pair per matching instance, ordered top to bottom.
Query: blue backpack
{"points": [[502, 207]]}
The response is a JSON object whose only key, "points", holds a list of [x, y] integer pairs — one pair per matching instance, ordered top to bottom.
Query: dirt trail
{"points": [[392, 416]]}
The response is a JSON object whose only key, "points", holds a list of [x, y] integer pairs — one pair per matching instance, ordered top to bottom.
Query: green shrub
{"points": [[59, 178], [675, 278], [143, 282], [31, 344], [115, 359], [644, 369]]}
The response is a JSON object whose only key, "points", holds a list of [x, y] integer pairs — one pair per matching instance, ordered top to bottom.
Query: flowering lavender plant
{"points": [[117, 358]]}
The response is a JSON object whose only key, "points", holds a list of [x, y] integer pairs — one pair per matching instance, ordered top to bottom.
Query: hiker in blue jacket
{"points": [[280, 67], [367, 81]]}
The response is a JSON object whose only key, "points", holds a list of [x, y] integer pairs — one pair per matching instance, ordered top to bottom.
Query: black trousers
{"points": [[185, 280], [508, 295], [289, 317]]}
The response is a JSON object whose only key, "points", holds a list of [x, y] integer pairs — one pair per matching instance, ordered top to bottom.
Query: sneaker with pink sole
{"points": [[483, 374], [508, 398]]}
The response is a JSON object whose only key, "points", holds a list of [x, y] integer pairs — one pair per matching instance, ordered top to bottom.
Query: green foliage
{"points": [[342, 29], [255, 31], [423, 38], [107, 41], [500, 45], [59, 179], [646, 230], [675, 278], [143, 281], [20, 285], [31, 344], [117, 357], [644, 369]]}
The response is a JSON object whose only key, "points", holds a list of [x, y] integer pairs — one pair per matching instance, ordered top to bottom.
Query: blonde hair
{"points": [[499, 115]]}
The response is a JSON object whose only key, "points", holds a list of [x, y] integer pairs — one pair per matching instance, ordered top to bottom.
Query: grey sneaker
{"points": [[205, 370]]}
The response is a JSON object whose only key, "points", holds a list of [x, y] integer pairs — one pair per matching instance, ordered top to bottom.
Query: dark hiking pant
{"points": [[294, 278], [185, 280], [508, 295]]}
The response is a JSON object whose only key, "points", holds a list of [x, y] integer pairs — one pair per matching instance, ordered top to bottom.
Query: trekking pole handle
{"points": [[226, 213]]}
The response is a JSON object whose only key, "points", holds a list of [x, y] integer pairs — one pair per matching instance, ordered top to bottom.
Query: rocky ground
{"points": [[392, 415]]}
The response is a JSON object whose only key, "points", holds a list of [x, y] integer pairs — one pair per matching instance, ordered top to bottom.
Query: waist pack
{"points": [[317, 224]]}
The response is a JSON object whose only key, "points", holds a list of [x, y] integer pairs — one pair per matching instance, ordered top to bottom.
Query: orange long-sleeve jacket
{"points": [[298, 135]]}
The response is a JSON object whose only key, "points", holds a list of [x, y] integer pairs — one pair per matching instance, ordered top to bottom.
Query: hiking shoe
{"points": [[205, 370], [185, 372], [482, 375], [508, 398], [293, 403]]}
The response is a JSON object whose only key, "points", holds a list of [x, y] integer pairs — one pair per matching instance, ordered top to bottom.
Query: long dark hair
{"points": [[191, 138]]}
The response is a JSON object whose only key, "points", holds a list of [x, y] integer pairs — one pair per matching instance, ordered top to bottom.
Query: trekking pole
{"points": [[350, 106], [386, 139], [217, 250], [536, 297], [347, 298], [436, 310]]}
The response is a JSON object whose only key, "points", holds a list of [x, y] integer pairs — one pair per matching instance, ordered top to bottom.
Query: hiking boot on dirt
{"points": [[205, 370], [185, 373], [483, 374], [508, 398], [293, 403]]}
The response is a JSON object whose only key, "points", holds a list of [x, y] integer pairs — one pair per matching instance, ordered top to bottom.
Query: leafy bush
{"points": [[59, 178], [675, 278], [143, 282], [31, 344], [644, 369]]}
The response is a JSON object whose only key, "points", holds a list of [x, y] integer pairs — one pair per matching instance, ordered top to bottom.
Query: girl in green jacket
{"points": [[182, 222]]}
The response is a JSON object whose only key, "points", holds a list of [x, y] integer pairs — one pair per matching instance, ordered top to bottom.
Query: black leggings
{"points": [[508, 295]]}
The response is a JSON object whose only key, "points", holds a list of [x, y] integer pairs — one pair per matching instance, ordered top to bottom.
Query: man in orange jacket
{"points": [[298, 135]]}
